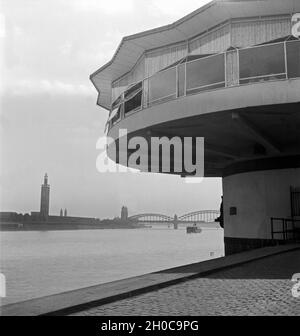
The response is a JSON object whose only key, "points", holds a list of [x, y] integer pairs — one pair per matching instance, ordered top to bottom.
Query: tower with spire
{"points": [[45, 198], [124, 213]]}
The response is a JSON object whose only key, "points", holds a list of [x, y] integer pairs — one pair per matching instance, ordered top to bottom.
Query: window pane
{"points": [[293, 58], [262, 61], [206, 71], [181, 80], [162, 85], [129, 93], [116, 102], [133, 103], [117, 116]]}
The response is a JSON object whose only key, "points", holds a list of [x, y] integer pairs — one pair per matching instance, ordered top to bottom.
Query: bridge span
{"points": [[202, 216]]}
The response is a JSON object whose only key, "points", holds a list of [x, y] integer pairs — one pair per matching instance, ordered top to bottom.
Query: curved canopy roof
{"points": [[214, 13]]}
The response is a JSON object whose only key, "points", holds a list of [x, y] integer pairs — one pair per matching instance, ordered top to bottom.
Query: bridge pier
{"points": [[175, 222]]}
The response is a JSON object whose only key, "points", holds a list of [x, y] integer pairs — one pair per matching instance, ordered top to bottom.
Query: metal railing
{"points": [[287, 230]]}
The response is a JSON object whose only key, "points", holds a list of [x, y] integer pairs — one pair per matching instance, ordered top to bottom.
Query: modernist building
{"points": [[228, 72]]}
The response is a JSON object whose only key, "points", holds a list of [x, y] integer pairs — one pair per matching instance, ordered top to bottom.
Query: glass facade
{"points": [[264, 62], [267, 62], [204, 73], [162, 85], [133, 90], [134, 103], [117, 114]]}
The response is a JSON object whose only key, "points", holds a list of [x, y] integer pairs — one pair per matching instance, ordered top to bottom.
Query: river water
{"points": [[37, 264]]}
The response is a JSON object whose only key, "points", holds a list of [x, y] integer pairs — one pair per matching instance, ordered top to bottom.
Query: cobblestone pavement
{"points": [[261, 287]]}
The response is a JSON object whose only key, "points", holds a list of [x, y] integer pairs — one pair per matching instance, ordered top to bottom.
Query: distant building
{"points": [[45, 198], [124, 213], [35, 215], [8, 216], [42, 219], [11, 221]]}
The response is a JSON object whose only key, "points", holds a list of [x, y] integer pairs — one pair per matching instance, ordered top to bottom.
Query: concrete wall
{"points": [[258, 196]]}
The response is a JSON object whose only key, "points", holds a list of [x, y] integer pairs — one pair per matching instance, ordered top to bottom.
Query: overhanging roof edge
{"points": [[170, 26]]}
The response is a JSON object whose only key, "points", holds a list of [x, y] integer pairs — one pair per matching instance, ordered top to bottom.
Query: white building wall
{"points": [[248, 33], [212, 42], [162, 58], [138, 73], [258, 196]]}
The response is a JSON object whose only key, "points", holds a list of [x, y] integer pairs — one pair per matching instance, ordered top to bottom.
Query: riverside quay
{"points": [[230, 73]]}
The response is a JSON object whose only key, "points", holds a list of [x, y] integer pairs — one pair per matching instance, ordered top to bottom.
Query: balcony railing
{"points": [[269, 62]]}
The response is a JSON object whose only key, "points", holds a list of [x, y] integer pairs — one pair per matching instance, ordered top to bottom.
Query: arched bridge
{"points": [[206, 216], [151, 218]]}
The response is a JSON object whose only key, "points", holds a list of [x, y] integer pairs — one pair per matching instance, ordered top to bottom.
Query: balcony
{"points": [[198, 73]]}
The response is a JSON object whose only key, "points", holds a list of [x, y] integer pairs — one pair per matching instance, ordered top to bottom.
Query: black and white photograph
{"points": [[149, 161]]}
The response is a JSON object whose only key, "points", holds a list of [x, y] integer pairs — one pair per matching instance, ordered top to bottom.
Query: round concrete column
{"points": [[252, 198]]}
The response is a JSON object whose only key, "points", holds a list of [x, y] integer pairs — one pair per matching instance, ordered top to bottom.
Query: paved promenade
{"points": [[261, 287]]}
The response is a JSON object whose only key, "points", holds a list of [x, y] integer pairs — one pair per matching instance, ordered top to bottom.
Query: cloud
{"points": [[110, 7], [177, 8], [2, 26], [51, 47], [30, 87]]}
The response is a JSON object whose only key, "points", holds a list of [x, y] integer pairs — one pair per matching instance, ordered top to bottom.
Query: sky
{"points": [[49, 118]]}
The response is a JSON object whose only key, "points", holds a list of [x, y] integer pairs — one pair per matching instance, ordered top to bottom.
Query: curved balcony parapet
{"points": [[235, 67]]}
